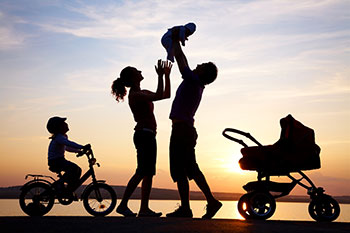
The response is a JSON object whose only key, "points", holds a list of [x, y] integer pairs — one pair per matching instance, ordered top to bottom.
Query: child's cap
{"points": [[191, 27], [54, 123]]}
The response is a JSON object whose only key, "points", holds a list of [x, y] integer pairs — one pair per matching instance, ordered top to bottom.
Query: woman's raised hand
{"points": [[159, 67], [167, 67]]}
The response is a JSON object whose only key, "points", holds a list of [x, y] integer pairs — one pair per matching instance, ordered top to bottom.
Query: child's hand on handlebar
{"points": [[85, 149]]}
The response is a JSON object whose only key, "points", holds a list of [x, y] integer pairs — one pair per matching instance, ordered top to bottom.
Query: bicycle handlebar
{"points": [[85, 151]]}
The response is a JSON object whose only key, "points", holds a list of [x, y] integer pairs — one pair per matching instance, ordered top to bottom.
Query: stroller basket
{"points": [[295, 150]]}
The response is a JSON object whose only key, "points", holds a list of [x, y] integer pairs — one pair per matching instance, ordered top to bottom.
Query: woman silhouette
{"points": [[141, 105]]}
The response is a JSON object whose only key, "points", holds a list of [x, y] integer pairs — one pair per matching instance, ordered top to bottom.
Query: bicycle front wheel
{"points": [[36, 199], [99, 199]]}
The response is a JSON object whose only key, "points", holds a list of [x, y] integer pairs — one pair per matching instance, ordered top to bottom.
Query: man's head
{"points": [[207, 72]]}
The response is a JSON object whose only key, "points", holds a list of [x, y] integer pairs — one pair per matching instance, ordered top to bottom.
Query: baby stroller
{"points": [[295, 151]]}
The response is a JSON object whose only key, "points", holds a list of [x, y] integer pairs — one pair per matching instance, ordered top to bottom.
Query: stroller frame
{"points": [[259, 203]]}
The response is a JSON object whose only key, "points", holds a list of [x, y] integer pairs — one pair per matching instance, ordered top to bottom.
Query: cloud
{"points": [[137, 19], [125, 20], [9, 37], [91, 80], [329, 86], [30, 105]]}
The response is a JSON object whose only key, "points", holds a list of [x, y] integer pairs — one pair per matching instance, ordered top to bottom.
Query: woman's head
{"points": [[129, 77]]}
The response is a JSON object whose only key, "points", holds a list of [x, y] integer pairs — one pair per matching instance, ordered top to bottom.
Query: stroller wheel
{"points": [[262, 205], [243, 206], [324, 209]]}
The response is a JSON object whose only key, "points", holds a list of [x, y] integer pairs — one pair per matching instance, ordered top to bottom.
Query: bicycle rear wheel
{"points": [[36, 199], [99, 199]]}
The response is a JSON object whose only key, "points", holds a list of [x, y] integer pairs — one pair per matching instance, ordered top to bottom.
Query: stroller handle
{"points": [[224, 133]]}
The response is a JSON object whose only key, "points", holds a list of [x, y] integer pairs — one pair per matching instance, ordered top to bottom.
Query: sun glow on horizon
{"points": [[230, 164]]}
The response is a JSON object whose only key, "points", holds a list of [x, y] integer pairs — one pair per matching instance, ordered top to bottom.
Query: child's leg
{"points": [[71, 175]]}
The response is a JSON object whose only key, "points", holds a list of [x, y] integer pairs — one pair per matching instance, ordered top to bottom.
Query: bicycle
{"points": [[37, 196]]}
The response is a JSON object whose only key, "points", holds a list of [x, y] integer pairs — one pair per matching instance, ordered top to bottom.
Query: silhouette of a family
{"points": [[182, 157]]}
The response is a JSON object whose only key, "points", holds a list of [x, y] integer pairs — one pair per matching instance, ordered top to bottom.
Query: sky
{"points": [[59, 58]]}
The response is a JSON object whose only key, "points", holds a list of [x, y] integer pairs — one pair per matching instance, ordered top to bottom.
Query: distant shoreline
{"points": [[171, 194]]}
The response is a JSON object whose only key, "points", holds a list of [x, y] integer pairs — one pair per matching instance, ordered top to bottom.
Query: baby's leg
{"points": [[167, 43]]}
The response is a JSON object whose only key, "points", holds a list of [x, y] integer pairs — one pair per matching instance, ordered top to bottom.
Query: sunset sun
{"points": [[231, 164]]}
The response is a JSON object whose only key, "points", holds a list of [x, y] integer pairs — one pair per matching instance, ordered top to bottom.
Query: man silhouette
{"points": [[183, 165]]}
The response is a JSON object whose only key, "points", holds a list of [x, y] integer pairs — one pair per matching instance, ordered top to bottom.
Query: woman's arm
{"points": [[167, 70], [160, 72], [149, 95]]}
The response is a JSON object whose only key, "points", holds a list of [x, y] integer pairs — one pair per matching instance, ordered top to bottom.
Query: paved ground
{"points": [[155, 225]]}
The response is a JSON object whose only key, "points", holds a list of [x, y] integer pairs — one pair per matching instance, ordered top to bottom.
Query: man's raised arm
{"points": [[180, 57]]}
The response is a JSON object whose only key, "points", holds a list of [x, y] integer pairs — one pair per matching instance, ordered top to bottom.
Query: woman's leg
{"points": [[130, 188], [145, 193], [145, 211]]}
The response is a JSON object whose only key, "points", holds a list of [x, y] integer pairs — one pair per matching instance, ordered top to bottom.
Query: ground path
{"points": [[53, 224]]}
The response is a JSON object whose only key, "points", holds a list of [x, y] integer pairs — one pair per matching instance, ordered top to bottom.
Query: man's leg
{"points": [[177, 171], [204, 187], [184, 192], [213, 205], [184, 211]]}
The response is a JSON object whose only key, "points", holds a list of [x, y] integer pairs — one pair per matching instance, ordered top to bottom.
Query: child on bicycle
{"points": [[58, 145]]}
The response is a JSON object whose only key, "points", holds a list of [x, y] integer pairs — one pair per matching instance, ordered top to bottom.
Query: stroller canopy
{"points": [[295, 150]]}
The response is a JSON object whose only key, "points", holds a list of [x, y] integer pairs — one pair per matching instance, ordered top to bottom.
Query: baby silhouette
{"points": [[177, 33]]}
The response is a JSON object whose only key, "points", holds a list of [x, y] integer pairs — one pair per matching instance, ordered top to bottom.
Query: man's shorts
{"points": [[146, 146], [182, 153]]}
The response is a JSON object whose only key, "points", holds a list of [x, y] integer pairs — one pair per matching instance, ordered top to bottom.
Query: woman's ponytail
{"points": [[125, 80], [118, 89]]}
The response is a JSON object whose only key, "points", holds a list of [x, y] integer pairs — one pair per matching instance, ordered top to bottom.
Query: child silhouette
{"points": [[58, 145]]}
